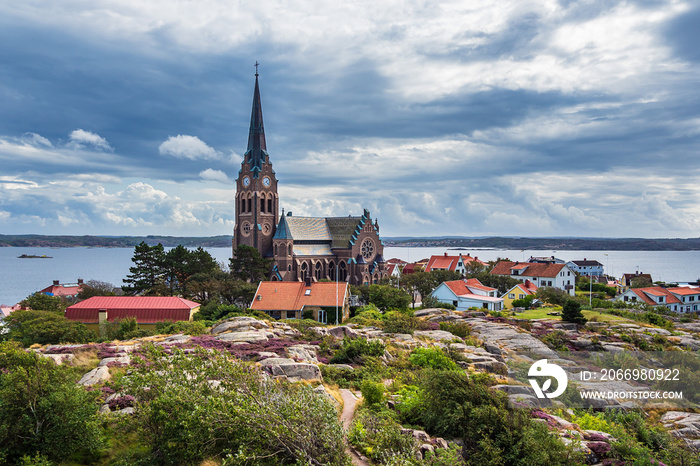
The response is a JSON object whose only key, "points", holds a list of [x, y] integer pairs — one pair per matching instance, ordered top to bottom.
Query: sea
{"points": [[20, 278]]}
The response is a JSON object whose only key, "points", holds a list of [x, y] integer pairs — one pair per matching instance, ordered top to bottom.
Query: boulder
{"points": [[240, 323], [342, 332], [440, 335], [249, 336], [180, 338], [305, 353], [119, 359], [276, 361], [297, 372], [95, 376]]}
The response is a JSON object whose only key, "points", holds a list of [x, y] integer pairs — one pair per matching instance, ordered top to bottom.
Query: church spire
{"points": [[256, 154]]}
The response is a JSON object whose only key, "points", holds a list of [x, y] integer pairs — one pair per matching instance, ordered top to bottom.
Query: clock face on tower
{"points": [[246, 181], [266, 181]]}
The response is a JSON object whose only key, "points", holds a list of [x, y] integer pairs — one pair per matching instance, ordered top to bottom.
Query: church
{"points": [[307, 249]]}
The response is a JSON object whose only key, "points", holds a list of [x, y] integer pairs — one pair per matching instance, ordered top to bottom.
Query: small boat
{"points": [[32, 256]]}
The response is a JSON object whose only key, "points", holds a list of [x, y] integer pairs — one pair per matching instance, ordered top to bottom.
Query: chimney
{"points": [[445, 254], [307, 280], [80, 281], [527, 282], [56, 283]]}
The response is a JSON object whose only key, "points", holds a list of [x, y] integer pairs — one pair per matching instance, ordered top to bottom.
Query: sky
{"points": [[452, 118]]}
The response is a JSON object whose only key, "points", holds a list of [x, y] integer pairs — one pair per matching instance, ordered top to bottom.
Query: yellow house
{"points": [[519, 291]]}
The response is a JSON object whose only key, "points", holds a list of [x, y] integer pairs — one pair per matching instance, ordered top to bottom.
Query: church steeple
{"points": [[256, 154]]}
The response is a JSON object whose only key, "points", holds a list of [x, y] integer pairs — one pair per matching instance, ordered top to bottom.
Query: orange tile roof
{"points": [[446, 262], [534, 269], [475, 283], [461, 287], [61, 290], [684, 290], [657, 291], [291, 296], [146, 309]]}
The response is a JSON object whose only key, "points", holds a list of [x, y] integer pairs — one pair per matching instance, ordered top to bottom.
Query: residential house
{"points": [[546, 260], [453, 263], [587, 267], [554, 275], [628, 278], [63, 290], [519, 291], [464, 294], [682, 299], [290, 300], [147, 310], [5, 311]]}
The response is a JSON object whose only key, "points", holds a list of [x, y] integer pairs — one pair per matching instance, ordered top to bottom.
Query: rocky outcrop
{"points": [[500, 336], [297, 372], [96, 376], [684, 425]]}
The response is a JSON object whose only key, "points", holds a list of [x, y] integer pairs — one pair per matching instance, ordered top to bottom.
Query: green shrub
{"points": [[430, 302], [571, 312], [399, 322], [45, 327], [195, 327], [461, 329], [557, 340], [356, 349], [433, 358], [372, 392], [43, 412], [184, 418], [379, 437]]}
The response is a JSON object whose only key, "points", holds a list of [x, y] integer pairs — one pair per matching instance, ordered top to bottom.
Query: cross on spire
{"points": [[256, 68]]}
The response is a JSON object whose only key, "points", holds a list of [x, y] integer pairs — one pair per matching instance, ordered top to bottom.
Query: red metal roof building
{"points": [[291, 299], [148, 310]]}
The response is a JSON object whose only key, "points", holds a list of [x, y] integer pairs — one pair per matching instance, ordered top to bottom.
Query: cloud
{"points": [[79, 139], [36, 140], [187, 147], [214, 175]]}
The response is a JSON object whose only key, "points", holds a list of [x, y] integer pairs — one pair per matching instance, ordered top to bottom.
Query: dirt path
{"points": [[349, 403]]}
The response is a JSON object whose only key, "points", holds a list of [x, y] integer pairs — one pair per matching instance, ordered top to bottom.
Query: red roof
{"points": [[394, 260], [446, 262], [409, 268], [534, 269], [462, 287], [61, 290], [684, 290], [657, 291], [293, 296], [146, 309]]}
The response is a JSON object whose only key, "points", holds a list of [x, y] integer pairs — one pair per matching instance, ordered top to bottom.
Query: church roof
{"points": [[256, 153], [308, 228], [342, 229], [282, 231], [312, 250]]}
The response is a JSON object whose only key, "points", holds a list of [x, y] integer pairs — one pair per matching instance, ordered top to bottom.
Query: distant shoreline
{"points": [[222, 241]]}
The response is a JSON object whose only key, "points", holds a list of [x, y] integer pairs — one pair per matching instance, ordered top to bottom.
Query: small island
{"points": [[32, 256]]}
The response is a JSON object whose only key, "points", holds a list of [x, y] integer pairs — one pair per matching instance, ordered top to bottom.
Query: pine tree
{"points": [[147, 276], [571, 312]]}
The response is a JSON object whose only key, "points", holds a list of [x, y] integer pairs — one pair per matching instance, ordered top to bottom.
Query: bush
{"points": [[430, 302], [571, 312], [399, 322], [45, 327], [187, 327], [460, 329], [356, 349], [433, 358], [372, 392], [202, 405], [453, 405], [44, 412], [379, 437]]}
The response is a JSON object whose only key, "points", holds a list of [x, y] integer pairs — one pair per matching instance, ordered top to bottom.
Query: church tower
{"points": [[257, 202]]}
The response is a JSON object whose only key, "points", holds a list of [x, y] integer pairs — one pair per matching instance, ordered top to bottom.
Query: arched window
{"points": [[262, 203], [269, 203], [250, 204], [242, 205], [276, 249], [289, 250], [304, 270], [318, 270], [331, 270], [342, 272], [375, 279]]}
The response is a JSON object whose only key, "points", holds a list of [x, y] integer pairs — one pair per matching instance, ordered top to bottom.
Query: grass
{"points": [[541, 313]]}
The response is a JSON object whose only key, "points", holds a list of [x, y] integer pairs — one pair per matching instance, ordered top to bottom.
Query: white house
{"points": [[587, 267], [554, 275], [464, 294], [682, 299]]}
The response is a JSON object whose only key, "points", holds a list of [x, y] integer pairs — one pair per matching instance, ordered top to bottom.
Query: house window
{"points": [[307, 293], [511, 296], [521, 296], [661, 299], [455, 303]]}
